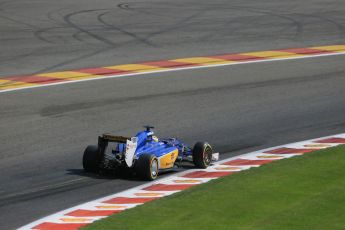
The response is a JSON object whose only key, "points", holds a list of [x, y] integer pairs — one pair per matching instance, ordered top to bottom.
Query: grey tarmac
{"points": [[237, 108]]}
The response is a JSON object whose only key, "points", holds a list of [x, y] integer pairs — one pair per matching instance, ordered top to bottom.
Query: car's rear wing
{"points": [[112, 138], [131, 145]]}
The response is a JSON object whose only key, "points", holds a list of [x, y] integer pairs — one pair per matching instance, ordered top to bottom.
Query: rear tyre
{"points": [[202, 154], [92, 158], [147, 167]]}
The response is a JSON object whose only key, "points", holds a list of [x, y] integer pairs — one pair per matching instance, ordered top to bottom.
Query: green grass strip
{"points": [[304, 192]]}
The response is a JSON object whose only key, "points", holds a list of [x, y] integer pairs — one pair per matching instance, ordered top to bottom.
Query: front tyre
{"points": [[202, 154], [92, 158], [147, 167]]}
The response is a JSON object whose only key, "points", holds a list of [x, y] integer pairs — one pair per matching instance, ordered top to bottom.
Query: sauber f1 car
{"points": [[144, 154]]}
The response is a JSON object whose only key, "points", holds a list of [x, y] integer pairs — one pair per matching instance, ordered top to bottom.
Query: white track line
{"points": [[175, 69], [56, 218]]}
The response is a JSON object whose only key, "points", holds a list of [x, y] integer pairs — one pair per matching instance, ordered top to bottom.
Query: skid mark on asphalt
{"points": [[41, 191]]}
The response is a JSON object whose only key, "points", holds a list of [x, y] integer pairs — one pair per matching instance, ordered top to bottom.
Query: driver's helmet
{"points": [[155, 138]]}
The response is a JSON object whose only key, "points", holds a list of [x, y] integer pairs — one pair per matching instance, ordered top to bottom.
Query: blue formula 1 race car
{"points": [[144, 154]]}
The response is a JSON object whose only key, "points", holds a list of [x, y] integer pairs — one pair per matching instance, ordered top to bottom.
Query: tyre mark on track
{"points": [[123, 6], [130, 8], [100, 18], [68, 20], [18, 22], [297, 24], [177, 25], [340, 27], [39, 34], [87, 55], [18, 57], [54, 110], [42, 191]]}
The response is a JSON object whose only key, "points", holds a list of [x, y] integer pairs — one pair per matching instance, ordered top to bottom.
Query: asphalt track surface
{"points": [[42, 36], [236, 108]]}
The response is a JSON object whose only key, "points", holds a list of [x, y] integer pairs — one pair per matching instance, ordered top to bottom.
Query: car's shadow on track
{"points": [[103, 174], [124, 174]]}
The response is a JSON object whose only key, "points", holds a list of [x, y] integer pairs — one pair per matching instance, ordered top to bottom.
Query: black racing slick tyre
{"points": [[202, 154], [92, 158], [146, 167]]}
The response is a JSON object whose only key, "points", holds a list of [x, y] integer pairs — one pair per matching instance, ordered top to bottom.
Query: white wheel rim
{"points": [[206, 157], [154, 168]]}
